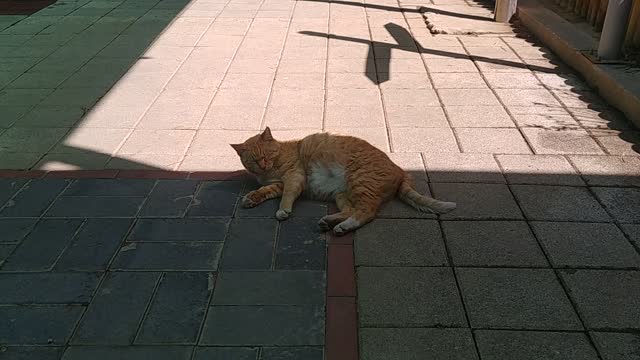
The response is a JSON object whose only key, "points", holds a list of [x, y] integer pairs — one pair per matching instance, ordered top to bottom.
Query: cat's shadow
{"points": [[302, 208], [306, 208]]}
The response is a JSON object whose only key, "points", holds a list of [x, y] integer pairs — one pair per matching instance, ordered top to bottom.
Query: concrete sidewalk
{"points": [[168, 84], [540, 259]]}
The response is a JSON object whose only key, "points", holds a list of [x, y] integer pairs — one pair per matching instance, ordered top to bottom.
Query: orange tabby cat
{"points": [[358, 176]]}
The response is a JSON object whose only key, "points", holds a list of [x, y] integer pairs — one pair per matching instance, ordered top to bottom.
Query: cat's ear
{"points": [[266, 135], [239, 148]]}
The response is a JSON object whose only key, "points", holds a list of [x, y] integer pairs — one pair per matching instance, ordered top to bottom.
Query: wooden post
{"points": [[504, 10]]}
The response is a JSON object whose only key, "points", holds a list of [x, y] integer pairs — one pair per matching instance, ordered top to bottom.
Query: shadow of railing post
{"points": [[406, 42]]}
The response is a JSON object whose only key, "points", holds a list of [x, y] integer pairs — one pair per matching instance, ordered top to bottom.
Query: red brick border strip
{"points": [[22, 7], [28, 174], [80, 174], [125, 174], [152, 174], [342, 329], [341, 341]]}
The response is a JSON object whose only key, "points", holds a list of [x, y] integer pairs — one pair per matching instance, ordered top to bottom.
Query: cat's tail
{"points": [[424, 203]]}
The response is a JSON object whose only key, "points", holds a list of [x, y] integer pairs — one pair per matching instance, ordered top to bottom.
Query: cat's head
{"points": [[258, 152]]}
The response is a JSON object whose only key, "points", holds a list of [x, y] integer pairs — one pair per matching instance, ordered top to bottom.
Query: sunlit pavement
{"points": [[540, 259]]}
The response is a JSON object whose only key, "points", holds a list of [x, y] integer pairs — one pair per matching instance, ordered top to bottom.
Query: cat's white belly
{"points": [[324, 182]]}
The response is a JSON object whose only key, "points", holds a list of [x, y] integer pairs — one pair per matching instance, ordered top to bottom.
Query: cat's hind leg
{"points": [[344, 205], [363, 212]]}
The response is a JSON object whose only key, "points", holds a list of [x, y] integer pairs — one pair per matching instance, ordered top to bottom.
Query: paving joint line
{"points": [[59, 47], [326, 71], [226, 72], [378, 85], [163, 88], [108, 89], [495, 94], [562, 104], [447, 116], [263, 118], [145, 200], [602, 205], [39, 218], [75, 235], [274, 251], [454, 272], [106, 273], [213, 280], [565, 287], [147, 308]]}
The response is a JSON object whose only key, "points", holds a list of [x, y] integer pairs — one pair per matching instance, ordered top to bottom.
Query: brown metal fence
{"points": [[594, 11]]}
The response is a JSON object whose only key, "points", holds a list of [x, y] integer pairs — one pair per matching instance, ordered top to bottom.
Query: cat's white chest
{"points": [[324, 182]]}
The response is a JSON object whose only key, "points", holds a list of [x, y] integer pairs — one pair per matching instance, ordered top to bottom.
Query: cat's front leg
{"points": [[293, 187], [257, 197]]}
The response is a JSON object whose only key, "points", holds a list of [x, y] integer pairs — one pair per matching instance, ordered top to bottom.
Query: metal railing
{"points": [[594, 12], [632, 39]]}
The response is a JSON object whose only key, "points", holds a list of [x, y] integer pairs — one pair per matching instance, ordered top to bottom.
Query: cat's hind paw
{"points": [[248, 203], [445, 207], [282, 214], [323, 225], [348, 225], [339, 230]]}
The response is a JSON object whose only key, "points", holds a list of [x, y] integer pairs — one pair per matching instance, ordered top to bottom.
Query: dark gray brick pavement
{"points": [[34, 198], [169, 198], [400, 242], [493, 243], [301, 245], [586, 245], [40, 249], [127, 269], [175, 269], [381, 290], [516, 299], [606, 299], [177, 309], [301, 325], [417, 344], [534, 345]]}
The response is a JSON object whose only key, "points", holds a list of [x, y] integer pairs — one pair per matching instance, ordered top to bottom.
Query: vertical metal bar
{"points": [[570, 4], [576, 7], [584, 8], [505, 9], [593, 12], [602, 12], [613, 31], [632, 39]]}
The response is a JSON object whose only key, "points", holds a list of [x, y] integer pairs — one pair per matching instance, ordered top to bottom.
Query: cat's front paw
{"points": [[250, 200], [282, 214]]}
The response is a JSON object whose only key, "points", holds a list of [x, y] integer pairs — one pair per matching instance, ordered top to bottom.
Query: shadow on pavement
{"points": [[23, 7], [60, 62], [536, 241]]}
